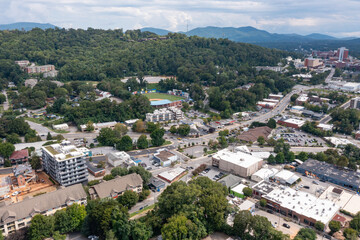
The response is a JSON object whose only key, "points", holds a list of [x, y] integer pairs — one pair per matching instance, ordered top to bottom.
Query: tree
{"points": [[60, 92], [2, 98], [271, 123], [90, 126], [139, 126], [150, 127], [173, 129], [120, 130], [183, 130], [48, 137], [106, 137], [157, 137], [13, 138], [261, 140], [222, 141], [142, 142], [125, 144], [6, 149], [303, 156], [280, 158], [271, 159], [35, 162], [342, 162], [7, 163], [119, 171], [145, 175], [108, 177], [247, 192], [144, 194], [128, 199], [263, 203], [62, 221], [242, 222], [355, 222], [120, 223], [319, 226], [334, 226], [41, 227], [180, 227], [140, 231], [305, 234], [350, 234], [1, 236]]}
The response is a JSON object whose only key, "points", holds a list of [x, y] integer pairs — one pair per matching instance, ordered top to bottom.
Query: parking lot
{"points": [[298, 138], [196, 151], [278, 221]]}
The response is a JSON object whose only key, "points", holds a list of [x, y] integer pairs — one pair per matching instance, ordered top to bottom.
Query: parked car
{"points": [[315, 182], [307, 187], [270, 211], [286, 225]]}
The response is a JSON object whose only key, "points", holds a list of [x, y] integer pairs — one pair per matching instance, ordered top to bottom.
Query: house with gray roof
{"points": [[117, 186]]}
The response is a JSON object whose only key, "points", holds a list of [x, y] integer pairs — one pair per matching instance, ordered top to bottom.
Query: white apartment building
{"points": [[165, 114], [65, 164]]}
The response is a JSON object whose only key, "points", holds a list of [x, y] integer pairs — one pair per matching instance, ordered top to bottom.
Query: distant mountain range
{"points": [[27, 26], [247, 34], [289, 42]]}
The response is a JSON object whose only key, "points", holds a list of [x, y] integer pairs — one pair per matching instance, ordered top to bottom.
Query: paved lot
{"points": [[41, 130], [298, 138], [196, 151], [278, 221]]}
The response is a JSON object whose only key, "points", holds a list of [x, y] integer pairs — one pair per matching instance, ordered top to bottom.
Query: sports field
{"points": [[160, 96]]}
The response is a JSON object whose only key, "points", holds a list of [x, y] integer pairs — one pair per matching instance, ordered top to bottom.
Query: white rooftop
{"points": [[295, 121], [338, 141], [262, 155], [239, 158], [265, 173], [172, 174], [284, 175], [239, 188], [340, 199], [304, 203], [246, 205], [353, 205]]}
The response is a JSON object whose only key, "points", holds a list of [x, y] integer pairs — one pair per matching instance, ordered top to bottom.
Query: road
{"points": [[329, 77], [6, 103], [327, 117], [40, 129], [294, 149]]}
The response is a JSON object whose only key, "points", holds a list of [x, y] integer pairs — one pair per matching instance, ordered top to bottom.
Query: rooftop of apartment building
{"points": [[61, 152]]}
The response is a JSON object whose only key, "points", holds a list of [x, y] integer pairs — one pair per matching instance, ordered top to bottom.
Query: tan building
{"points": [[239, 163], [117, 186], [18, 215]]}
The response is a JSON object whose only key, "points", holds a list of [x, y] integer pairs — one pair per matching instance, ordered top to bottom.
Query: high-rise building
{"points": [[342, 53], [355, 103], [65, 163]]}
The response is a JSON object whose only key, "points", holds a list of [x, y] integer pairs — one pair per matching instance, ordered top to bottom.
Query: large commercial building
{"points": [[312, 62], [166, 103], [165, 114], [291, 122], [99, 126], [253, 134], [116, 159], [65, 163], [239, 163], [328, 172], [116, 187], [301, 206], [18, 215]]}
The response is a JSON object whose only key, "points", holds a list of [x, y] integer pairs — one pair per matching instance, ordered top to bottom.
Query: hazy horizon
{"points": [[331, 17]]}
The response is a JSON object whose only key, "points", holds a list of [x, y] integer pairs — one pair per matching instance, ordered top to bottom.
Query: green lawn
{"points": [[162, 96], [142, 210]]}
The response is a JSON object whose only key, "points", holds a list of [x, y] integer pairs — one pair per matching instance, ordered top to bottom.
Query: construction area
{"points": [[22, 181]]}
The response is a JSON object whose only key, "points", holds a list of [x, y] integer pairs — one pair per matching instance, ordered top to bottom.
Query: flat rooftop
{"points": [[63, 152], [239, 158], [322, 168], [172, 174], [304, 203]]}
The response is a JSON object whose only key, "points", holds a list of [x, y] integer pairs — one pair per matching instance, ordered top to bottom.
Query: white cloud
{"points": [[283, 16]]}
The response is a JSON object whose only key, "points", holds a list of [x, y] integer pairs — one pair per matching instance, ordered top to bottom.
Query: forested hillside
{"points": [[96, 54]]}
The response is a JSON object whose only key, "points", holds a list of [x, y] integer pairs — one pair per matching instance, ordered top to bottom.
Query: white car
{"points": [[15, 193]]}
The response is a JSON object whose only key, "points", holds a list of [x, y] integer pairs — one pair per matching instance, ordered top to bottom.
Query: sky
{"points": [[333, 17]]}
